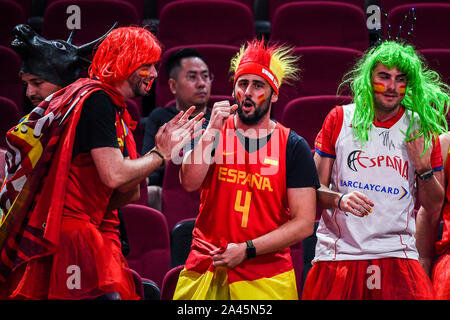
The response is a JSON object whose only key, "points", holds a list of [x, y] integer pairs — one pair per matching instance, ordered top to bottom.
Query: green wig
{"points": [[426, 95]]}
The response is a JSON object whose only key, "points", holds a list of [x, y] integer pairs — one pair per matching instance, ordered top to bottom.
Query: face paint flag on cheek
{"points": [[144, 73], [378, 87], [402, 90], [239, 96], [260, 99]]}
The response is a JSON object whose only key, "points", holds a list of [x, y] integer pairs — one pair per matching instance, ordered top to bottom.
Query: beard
{"points": [[136, 84], [258, 113]]}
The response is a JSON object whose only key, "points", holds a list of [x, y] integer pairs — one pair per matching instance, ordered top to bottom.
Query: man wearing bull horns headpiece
{"points": [[48, 65], [70, 164]]}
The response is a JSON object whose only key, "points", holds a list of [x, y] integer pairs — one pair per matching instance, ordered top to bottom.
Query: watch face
{"points": [[426, 176], [251, 250]]}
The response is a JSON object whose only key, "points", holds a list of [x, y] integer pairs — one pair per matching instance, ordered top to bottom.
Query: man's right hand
{"points": [[220, 113], [357, 203]]}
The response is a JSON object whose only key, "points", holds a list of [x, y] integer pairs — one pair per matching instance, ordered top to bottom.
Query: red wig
{"points": [[122, 52]]}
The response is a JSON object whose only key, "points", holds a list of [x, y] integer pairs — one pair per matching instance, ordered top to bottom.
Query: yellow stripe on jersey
{"points": [[271, 161], [202, 286], [214, 286], [279, 287]]}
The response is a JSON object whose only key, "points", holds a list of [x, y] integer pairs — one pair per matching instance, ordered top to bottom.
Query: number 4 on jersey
{"points": [[245, 209]]}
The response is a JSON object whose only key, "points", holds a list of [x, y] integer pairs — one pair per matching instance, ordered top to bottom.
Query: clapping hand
{"points": [[173, 135]]}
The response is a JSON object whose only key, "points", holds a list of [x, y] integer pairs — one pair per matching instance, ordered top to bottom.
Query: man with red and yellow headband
{"points": [[71, 163], [257, 182]]}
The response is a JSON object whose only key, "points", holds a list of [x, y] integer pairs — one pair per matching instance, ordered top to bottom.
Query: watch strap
{"points": [[159, 155], [426, 175], [251, 250]]}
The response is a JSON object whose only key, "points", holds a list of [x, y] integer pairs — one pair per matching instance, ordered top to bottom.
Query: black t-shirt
{"points": [[157, 118], [96, 127], [300, 167]]}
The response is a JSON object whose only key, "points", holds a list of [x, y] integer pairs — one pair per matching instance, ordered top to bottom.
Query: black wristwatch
{"points": [[426, 175], [251, 250]]}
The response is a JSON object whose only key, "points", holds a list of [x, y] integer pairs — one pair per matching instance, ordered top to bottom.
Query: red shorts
{"points": [[441, 277], [378, 279]]}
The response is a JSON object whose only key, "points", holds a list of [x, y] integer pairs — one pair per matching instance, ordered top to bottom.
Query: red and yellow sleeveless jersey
{"points": [[243, 197]]}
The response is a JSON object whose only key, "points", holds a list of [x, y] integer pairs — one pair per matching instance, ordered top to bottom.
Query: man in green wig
{"points": [[374, 157]]}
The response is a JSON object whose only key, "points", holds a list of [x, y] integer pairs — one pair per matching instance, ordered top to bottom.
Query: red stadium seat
{"points": [[160, 4], [274, 4], [139, 5], [388, 5], [27, 7], [11, 14], [96, 18], [205, 22], [320, 23], [432, 24], [439, 61], [322, 70], [11, 85], [306, 115], [10, 116], [176, 203], [149, 242], [137, 282], [170, 283]]}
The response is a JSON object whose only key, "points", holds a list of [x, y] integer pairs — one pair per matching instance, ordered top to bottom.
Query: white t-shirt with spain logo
{"points": [[381, 169]]}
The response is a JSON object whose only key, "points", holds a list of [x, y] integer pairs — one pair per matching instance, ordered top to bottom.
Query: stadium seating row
{"points": [[300, 23], [207, 27], [322, 70], [159, 255], [153, 256]]}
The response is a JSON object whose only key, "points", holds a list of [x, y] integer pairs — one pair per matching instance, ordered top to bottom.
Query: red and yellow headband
{"points": [[274, 63], [260, 70]]}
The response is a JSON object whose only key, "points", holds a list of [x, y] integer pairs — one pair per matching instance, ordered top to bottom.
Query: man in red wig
{"points": [[71, 163], [257, 181]]}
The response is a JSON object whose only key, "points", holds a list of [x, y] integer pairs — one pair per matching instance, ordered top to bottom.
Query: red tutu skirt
{"points": [[86, 265], [441, 277], [378, 279]]}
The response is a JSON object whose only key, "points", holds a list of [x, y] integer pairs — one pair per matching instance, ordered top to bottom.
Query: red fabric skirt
{"points": [[86, 265], [441, 277], [378, 279]]}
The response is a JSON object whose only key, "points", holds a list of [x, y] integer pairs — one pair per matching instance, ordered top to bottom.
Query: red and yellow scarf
{"points": [[38, 159]]}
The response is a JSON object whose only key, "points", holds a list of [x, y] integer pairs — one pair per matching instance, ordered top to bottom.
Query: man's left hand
{"points": [[173, 135], [231, 257]]}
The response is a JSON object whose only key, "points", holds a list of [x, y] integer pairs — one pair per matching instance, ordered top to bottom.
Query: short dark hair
{"points": [[174, 61]]}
